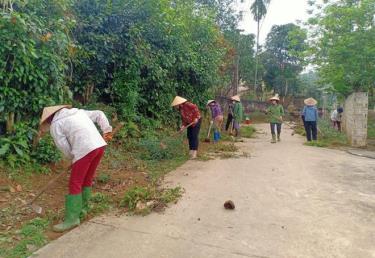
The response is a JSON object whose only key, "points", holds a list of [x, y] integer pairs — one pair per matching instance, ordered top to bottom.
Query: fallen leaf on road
{"points": [[19, 188]]}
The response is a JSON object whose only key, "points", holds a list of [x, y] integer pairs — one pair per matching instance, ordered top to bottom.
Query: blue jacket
{"points": [[310, 113]]}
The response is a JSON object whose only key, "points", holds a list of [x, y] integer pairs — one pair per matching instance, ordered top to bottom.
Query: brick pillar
{"points": [[355, 118]]}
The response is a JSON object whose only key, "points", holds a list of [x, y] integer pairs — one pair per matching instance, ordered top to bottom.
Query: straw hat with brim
{"points": [[236, 98], [275, 98], [178, 101], [210, 101], [310, 102], [49, 111]]}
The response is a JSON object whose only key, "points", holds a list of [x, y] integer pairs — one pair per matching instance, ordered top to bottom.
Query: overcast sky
{"points": [[279, 12]]}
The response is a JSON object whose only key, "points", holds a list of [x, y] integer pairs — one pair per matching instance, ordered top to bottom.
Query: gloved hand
{"points": [[211, 122], [108, 136]]}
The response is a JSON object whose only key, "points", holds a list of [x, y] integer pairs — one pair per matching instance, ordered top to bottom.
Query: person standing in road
{"points": [[275, 113], [310, 113], [190, 115], [237, 115], [230, 116], [217, 117], [336, 117], [75, 134]]}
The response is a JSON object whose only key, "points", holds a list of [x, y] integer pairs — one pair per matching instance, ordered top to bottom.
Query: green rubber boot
{"points": [[278, 138], [273, 139], [86, 196], [73, 207]]}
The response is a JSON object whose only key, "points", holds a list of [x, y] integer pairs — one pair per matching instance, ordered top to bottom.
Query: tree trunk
{"points": [[256, 60], [286, 90], [88, 93], [10, 122]]}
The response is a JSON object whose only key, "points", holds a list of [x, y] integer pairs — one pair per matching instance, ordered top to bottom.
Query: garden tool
{"points": [[231, 127], [209, 132], [163, 146], [37, 208]]}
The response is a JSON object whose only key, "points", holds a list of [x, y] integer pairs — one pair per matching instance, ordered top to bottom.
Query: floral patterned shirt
{"points": [[215, 110], [189, 112]]}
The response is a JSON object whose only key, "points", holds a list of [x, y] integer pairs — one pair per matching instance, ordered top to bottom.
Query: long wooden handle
{"points": [[209, 130], [180, 131], [51, 182]]}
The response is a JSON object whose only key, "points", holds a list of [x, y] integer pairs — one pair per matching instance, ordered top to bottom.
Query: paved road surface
{"points": [[291, 201]]}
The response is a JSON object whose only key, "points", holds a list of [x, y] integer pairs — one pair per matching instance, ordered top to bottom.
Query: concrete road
{"points": [[291, 201]]}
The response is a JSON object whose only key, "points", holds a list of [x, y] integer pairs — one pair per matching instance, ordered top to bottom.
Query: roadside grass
{"points": [[371, 125], [247, 131], [328, 136], [143, 200], [29, 238]]}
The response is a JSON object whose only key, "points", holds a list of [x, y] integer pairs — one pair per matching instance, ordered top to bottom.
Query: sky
{"points": [[279, 12]]}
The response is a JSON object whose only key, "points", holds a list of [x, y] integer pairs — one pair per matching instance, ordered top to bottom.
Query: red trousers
{"points": [[83, 170]]}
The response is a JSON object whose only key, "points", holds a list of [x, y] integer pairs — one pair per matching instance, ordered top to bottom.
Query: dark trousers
{"points": [[229, 120], [337, 124], [278, 126], [311, 130], [193, 135]]}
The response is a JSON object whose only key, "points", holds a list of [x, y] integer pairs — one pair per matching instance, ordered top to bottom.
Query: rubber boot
{"points": [[273, 138], [278, 138], [194, 154], [86, 196], [73, 207]]}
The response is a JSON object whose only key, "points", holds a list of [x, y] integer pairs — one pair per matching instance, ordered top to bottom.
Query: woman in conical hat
{"points": [[275, 113], [237, 114], [190, 115], [310, 116], [217, 117], [75, 134]]}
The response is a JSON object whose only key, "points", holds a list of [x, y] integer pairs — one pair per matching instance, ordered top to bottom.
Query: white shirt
{"points": [[335, 116], [74, 132]]}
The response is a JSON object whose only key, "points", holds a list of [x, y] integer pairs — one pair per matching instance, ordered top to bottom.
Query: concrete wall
{"points": [[356, 118]]}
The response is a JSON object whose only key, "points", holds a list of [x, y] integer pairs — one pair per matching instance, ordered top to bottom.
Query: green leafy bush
{"points": [[15, 148], [46, 151]]}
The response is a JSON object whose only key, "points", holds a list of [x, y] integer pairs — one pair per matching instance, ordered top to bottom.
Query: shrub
{"points": [[15, 148], [46, 152]]}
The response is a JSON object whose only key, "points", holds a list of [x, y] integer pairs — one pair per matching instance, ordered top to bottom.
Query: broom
{"points": [[209, 132]]}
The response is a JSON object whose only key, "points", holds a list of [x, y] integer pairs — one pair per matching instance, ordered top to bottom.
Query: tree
{"points": [[259, 11], [343, 44], [137, 54], [33, 57], [246, 57], [284, 57]]}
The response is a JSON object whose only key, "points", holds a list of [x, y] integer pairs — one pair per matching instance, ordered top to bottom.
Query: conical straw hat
{"points": [[276, 97], [236, 98], [178, 101], [210, 101], [310, 102], [49, 111]]}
